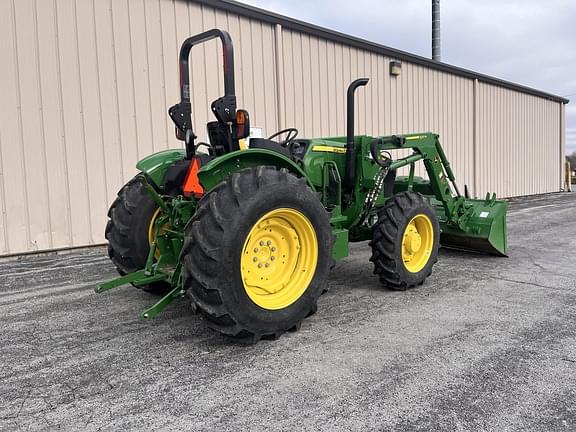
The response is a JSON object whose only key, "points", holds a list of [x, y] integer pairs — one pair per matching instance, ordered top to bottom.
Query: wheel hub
{"points": [[412, 239], [417, 243], [279, 258]]}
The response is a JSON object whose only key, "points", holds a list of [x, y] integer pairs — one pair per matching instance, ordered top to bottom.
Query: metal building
{"points": [[85, 86]]}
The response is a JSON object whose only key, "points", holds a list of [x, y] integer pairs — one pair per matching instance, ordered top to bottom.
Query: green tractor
{"points": [[250, 235]]}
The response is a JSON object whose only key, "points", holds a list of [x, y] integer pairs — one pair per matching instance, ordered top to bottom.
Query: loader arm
{"points": [[427, 148], [473, 224]]}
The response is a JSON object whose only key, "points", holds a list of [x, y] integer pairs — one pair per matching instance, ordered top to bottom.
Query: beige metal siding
{"points": [[317, 73], [85, 86], [85, 89], [519, 143]]}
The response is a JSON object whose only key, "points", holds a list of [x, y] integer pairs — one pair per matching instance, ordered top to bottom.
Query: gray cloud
{"points": [[530, 42]]}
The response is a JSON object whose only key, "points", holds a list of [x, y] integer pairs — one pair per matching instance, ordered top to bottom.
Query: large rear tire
{"points": [[128, 232], [405, 241], [257, 254]]}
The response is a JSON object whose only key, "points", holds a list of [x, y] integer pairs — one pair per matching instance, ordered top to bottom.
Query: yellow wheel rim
{"points": [[152, 231], [417, 243], [279, 258]]}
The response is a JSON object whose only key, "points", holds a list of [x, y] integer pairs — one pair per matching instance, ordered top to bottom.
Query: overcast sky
{"points": [[531, 42]]}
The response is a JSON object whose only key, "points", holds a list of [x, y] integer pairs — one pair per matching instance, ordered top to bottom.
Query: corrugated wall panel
{"points": [[255, 66], [86, 85], [418, 100], [91, 104], [110, 121], [21, 131], [515, 131], [38, 198], [14, 235]]}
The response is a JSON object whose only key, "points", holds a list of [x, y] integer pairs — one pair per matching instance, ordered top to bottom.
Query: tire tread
{"points": [[390, 220], [200, 281]]}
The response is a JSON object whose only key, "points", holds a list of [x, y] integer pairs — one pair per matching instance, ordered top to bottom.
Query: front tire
{"points": [[405, 241], [257, 254]]}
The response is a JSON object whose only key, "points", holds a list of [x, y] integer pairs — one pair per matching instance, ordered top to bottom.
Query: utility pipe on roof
{"points": [[436, 30]]}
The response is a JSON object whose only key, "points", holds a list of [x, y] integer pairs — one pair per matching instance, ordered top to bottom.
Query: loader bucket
{"points": [[484, 230]]}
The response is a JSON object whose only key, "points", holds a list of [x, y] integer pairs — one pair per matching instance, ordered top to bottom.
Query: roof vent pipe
{"points": [[436, 30]]}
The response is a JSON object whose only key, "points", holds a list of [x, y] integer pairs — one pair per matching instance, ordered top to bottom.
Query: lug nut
{"points": [[261, 242], [268, 243], [273, 249], [255, 250], [272, 258], [254, 259], [260, 265], [267, 265]]}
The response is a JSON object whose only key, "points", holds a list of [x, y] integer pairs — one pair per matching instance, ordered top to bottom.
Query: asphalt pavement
{"points": [[486, 343]]}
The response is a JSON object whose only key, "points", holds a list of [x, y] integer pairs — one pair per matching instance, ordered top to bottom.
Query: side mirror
{"points": [[242, 124]]}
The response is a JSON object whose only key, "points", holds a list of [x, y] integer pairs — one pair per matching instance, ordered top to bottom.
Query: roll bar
{"points": [[228, 50], [224, 107]]}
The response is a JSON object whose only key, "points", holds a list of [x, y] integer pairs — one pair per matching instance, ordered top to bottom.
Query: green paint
{"points": [[156, 164], [218, 169], [466, 223], [478, 225], [169, 235], [340, 244], [138, 278], [119, 281], [163, 303]]}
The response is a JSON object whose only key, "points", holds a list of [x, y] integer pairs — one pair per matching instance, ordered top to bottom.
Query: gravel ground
{"points": [[485, 344]]}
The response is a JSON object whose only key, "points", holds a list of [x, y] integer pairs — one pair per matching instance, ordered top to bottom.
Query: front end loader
{"points": [[250, 235]]}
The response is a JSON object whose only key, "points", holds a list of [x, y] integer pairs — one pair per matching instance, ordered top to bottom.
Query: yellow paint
{"points": [[415, 137], [328, 149], [417, 243], [279, 258]]}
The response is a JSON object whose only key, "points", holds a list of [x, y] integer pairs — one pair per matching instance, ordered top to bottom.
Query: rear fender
{"points": [[156, 164], [218, 169]]}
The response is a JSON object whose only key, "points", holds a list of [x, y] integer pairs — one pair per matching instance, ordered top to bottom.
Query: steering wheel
{"points": [[292, 133]]}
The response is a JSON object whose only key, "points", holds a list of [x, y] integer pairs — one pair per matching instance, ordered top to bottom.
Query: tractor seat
{"points": [[266, 144]]}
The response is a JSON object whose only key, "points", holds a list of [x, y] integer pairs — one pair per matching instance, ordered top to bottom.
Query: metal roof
{"points": [[311, 29]]}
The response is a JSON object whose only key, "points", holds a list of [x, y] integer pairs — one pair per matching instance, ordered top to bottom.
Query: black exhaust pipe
{"points": [[350, 147]]}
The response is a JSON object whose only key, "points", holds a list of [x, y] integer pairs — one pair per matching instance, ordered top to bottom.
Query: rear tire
{"points": [[127, 232], [221, 248], [397, 267]]}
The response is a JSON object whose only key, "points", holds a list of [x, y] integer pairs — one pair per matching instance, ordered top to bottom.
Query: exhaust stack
{"points": [[350, 147]]}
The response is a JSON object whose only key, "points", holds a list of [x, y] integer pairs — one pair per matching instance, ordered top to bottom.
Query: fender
{"points": [[156, 164], [218, 169]]}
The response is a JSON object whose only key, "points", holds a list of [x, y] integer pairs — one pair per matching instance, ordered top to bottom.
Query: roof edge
{"points": [[249, 11]]}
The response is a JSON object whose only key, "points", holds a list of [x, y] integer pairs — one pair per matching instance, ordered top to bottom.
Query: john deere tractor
{"points": [[250, 235]]}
